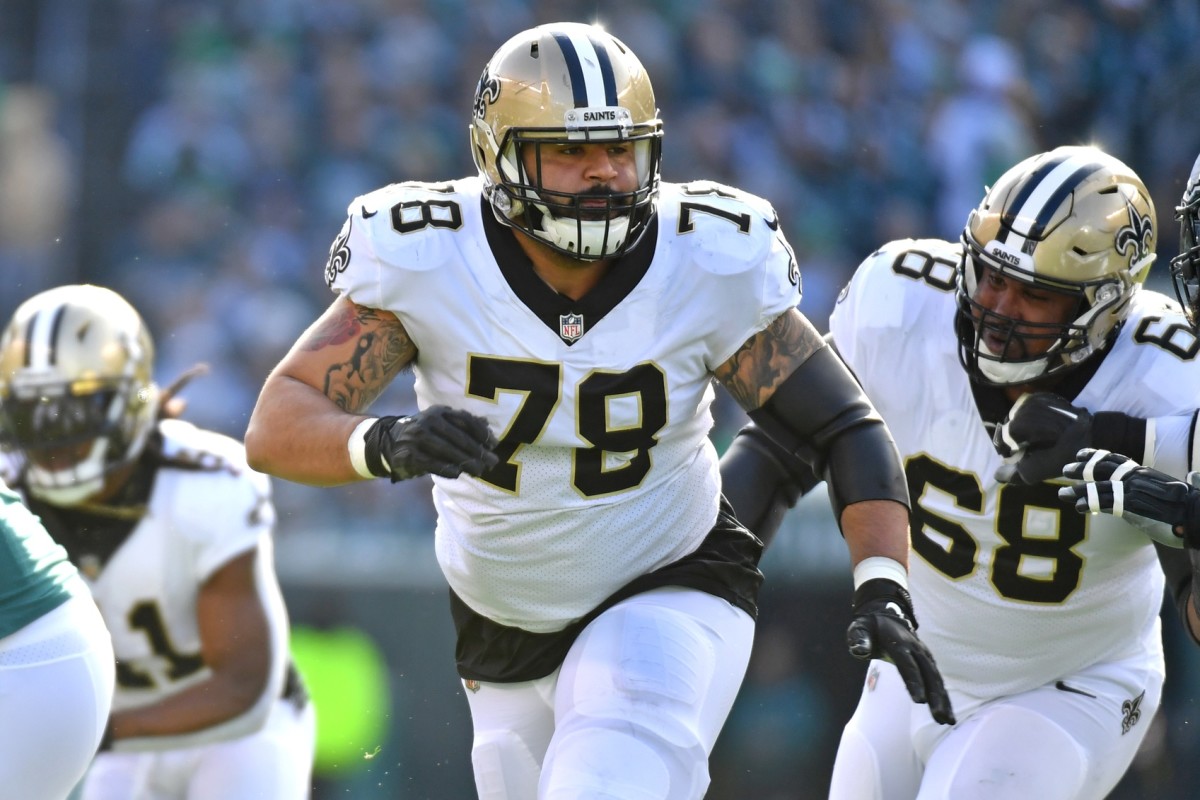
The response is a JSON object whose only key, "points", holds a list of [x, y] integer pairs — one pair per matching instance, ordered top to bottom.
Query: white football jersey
{"points": [[601, 405], [197, 520], [1012, 587]]}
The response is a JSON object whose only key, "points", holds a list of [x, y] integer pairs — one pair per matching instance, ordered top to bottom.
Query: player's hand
{"points": [[1041, 433], [440, 440], [1166, 508], [884, 626]]}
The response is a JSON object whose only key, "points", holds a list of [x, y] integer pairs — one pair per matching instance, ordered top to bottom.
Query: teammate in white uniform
{"points": [[565, 315], [1167, 508], [172, 532], [1044, 622], [56, 659]]}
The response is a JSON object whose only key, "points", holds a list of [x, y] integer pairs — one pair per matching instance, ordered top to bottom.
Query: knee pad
{"points": [[1012, 755], [623, 760], [504, 766]]}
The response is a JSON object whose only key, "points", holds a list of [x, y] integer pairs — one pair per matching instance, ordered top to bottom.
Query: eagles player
{"points": [[565, 314], [993, 359], [172, 531], [56, 661]]}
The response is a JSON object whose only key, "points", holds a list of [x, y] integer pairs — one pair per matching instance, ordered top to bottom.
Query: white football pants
{"points": [[56, 687], [632, 713], [1069, 740], [274, 762]]}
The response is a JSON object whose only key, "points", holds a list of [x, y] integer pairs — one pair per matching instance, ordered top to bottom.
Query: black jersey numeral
{"points": [[940, 273], [1176, 338], [618, 458], [950, 548], [147, 617]]}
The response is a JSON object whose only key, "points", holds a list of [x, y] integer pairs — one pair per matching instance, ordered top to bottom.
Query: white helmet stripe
{"points": [[592, 81], [1045, 195], [41, 345]]}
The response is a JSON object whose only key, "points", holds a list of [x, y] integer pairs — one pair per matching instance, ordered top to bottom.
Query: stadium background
{"points": [[198, 156]]}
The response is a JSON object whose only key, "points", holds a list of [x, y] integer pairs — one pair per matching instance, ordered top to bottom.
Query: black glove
{"points": [[1041, 433], [439, 440], [1166, 508], [884, 627]]}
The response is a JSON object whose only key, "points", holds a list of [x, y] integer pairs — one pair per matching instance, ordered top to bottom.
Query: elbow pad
{"points": [[821, 415], [762, 481]]}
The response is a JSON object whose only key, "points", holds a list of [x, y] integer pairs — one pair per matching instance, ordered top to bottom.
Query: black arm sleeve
{"points": [[822, 415], [1119, 433], [762, 481], [1178, 570]]}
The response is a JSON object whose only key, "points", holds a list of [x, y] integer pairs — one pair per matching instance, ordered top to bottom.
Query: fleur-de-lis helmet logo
{"points": [[1135, 239]]}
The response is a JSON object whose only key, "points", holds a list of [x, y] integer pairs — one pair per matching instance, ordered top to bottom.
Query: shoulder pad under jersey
{"points": [[410, 224], [724, 229], [932, 262], [896, 285], [219, 495]]}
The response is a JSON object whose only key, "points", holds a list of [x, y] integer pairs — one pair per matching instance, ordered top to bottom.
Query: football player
{"points": [[565, 313], [993, 359], [1167, 508], [172, 532], [56, 660]]}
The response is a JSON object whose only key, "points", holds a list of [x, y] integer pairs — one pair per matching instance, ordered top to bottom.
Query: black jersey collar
{"points": [[569, 319]]}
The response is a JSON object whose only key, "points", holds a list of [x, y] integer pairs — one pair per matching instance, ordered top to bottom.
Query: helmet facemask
{"points": [[558, 85], [560, 219], [1073, 222], [1185, 267], [1027, 351], [70, 441]]}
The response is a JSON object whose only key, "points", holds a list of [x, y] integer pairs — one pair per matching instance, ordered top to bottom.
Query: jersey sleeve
{"points": [[407, 226], [736, 239], [352, 269], [881, 298], [1168, 378], [223, 509], [245, 516]]}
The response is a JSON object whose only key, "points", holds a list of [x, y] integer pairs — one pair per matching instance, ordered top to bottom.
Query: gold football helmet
{"points": [[566, 82], [1072, 221], [1185, 267], [77, 398]]}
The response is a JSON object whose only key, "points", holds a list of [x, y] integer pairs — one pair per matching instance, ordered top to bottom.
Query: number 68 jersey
{"points": [[601, 405], [1013, 588]]}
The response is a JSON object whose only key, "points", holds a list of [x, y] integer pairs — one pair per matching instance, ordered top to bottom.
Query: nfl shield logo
{"points": [[570, 326]]}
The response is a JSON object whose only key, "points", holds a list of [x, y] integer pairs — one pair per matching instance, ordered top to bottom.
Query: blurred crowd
{"points": [[198, 156]]}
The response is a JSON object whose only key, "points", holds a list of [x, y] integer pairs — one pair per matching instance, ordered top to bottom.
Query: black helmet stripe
{"points": [[592, 81], [1045, 190], [41, 338]]}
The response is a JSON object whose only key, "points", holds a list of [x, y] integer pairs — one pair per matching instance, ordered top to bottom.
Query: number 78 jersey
{"points": [[601, 405], [1012, 587]]}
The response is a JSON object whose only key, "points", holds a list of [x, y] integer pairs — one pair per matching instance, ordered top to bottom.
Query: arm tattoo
{"points": [[382, 349], [768, 358]]}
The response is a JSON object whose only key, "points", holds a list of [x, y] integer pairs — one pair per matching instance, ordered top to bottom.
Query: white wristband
{"points": [[357, 445], [880, 567]]}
